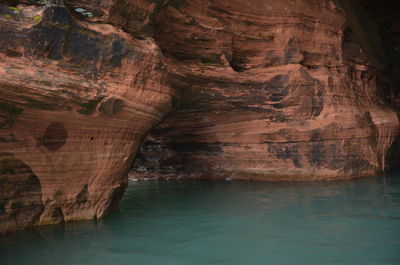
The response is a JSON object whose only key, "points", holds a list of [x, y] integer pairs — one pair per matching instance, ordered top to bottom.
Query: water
{"points": [[173, 223]]}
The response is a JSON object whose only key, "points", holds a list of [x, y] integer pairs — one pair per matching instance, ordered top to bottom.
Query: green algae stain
{"points": [[15, 9], [5, 16], [37, 19]]}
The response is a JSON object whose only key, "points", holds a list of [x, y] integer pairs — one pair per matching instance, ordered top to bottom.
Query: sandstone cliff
{"points": [[259, 90], [271, 90], [76, 97]]}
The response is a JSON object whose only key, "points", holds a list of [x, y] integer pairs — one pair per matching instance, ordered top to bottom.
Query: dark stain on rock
{"points": [[220, 10], [58, 15], [50, 35], [48, 40], [82, 47], [118, 51], [12, 53], [292, 56], [273, 59], [237, 64], [278, 81], [330, 83], [279, 95], [175, 102], [317, 103], [111, 106], [279, 106], [88, 107], [8, 114], [360, 121], [367, 122], [374, 131], [316, 135], [55, 136], [210, 149], [286, 151], [323, 152], [177, 153], [316, 156], [392, 157], [334, 158], [356, 166], [20, 189], [82, 196], [115, 198], [2, 207], [54, 215]]}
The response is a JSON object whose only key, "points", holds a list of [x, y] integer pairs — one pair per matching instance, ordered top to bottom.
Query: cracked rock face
{"points": [[259, 90], [76, 97]]}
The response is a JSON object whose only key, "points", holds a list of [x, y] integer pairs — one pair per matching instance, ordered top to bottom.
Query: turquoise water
{"points": [[244, 223]]}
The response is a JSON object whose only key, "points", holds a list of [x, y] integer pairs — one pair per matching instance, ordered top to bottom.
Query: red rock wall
{"points": [[261, 90], [270, 90], [76, 97]]}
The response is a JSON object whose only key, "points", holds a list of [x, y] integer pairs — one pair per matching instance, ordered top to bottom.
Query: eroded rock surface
{"points": [[261, 90], [271, 90], [76, 96]]}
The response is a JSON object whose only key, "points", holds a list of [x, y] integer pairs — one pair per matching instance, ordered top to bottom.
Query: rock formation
{"points": [[260, 90], [271, 90], [76, 97]]}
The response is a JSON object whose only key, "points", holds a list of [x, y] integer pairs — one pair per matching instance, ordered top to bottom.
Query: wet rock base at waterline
{"points": [[257, 90]]}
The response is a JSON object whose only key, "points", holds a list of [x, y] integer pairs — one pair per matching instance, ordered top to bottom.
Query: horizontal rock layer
{"points": [[261, 90], [270, 90], [76, 97]]}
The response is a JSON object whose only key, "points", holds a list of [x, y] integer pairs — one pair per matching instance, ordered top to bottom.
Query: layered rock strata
{"points": [[261, 90], [270, 90], [76, 96]]}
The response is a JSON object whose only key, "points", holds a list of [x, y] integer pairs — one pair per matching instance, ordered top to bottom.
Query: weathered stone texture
{"points": [[260, 90], [270, 90], [76, 97]]}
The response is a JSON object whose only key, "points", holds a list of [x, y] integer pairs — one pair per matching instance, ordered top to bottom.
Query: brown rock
{"points": [[262, 90], [270, 90], [75, 99]]}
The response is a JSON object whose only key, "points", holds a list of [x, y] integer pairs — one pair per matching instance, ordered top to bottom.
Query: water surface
{"points": [[243, 223]]}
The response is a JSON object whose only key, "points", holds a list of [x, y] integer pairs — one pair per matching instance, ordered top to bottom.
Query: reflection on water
{"points": [[353, 222]]}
